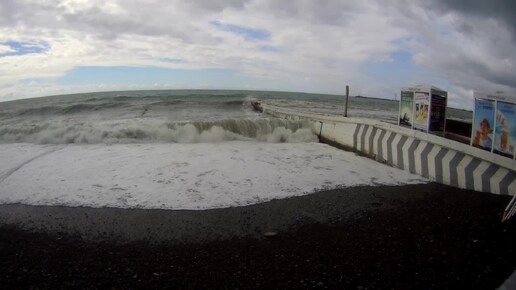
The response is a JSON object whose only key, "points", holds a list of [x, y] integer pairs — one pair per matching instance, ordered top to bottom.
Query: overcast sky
{"points": [[62, 46]]}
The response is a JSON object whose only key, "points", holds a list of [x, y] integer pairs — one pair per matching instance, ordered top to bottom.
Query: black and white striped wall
{"points": [[438, 159], [438, 163]]}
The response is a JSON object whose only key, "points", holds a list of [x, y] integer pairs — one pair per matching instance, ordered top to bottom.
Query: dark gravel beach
{"points": [[396, 237]]}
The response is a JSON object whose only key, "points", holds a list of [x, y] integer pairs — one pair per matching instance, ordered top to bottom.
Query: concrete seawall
{"points": [[436, 158]]}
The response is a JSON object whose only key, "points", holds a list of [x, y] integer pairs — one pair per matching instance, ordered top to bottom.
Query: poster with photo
{"points": [[422, 107], [406, 109], [482, 133], [505, 133]]}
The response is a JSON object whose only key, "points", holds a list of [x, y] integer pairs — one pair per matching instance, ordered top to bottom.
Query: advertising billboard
{"points": [[422, 107], [406, 109], [438, 113], [482, 133], [505, 133]]}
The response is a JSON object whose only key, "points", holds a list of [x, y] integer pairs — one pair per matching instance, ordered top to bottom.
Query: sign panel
{"points": [[422, 106], [406, 109], [438, 113], [505, 133], [482, 134]]}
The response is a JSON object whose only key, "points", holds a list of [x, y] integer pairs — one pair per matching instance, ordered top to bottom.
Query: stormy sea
{"points": [[177, 149]]}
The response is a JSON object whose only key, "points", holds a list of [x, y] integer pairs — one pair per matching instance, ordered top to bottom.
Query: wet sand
{"points": [[390, 237]]}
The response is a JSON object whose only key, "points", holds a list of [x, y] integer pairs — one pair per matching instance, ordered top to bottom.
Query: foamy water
{"points": [[181, 176]]}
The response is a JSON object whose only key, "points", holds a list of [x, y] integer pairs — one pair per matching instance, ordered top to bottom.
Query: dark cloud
{"points": [[217, 5], [502, 11], [325, 12], [465, 28], [473, 49], [463, 71]]}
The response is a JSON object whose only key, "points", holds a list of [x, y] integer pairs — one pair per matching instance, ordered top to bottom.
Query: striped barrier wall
{"points": [[436, 158]]}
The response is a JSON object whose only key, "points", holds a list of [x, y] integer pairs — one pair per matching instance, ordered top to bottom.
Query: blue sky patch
{"points": [[246, 32], [23, 48], [172, 60], [401, 70], [148, 76]]}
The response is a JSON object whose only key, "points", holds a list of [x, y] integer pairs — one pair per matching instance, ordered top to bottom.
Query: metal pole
{"points": [[347, 96]]}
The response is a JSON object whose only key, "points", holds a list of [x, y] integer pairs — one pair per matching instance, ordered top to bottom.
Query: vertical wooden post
{"points": [[347, 96]]}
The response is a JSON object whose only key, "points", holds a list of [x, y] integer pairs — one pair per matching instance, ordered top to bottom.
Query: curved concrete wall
{"points": [[439, 159]]}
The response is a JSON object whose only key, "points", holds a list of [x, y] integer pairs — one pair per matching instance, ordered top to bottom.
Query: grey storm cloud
{"points": [[218, 5], [498, 10], [327, 12], [482, 56]]}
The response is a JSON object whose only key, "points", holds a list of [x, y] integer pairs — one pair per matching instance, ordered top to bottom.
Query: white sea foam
{"points": [[181, 176]]}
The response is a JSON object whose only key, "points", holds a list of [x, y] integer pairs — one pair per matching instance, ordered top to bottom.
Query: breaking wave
{"points": [[145, 131]]}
